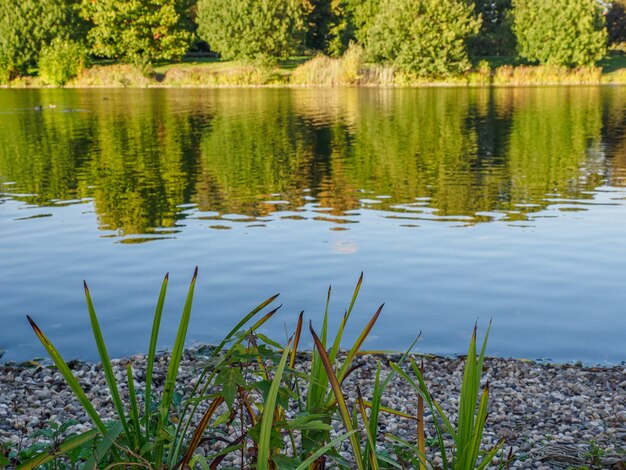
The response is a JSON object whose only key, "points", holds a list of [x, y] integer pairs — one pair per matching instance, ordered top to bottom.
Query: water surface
{"points": [[457, 204]]}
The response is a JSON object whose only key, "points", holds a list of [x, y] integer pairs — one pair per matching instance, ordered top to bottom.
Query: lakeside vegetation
{"points": [[196, 43], [285, 416]]}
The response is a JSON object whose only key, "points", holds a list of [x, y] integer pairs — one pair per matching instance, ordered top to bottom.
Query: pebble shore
{"points": [[548, 414]]}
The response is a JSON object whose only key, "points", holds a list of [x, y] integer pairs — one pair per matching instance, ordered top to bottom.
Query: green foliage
{"points": [[360, 14], [616, 22], [27, 26], [330, 26], [257, 30], [138, 31], [560, 32], [422, 37], [495, 37], [61, 61], [329, 71], [258, 381], [472, 414]]}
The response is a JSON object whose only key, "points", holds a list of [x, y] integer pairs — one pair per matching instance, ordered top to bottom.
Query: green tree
{"points": [[616, 22], [26, 26], [328, 27], [260, 30], [138, 31], [560, 32], [422, 37], [495, 37], [61, 61]]}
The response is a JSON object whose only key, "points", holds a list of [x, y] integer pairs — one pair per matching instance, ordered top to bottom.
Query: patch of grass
{"points": [[615, 61], [329, 71], [221, 74], [115, 75], [523, 75]]}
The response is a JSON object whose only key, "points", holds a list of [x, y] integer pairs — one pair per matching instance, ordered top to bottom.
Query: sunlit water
{"points": [[459, 205]]}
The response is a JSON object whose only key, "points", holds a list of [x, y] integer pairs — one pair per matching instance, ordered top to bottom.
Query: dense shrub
{"points": [[616, 23], [28, 25], [329, 27], [260, 30], [138, 31], [560, 32], [422, 37], [496, 37], [61, 61], [6, 70]]}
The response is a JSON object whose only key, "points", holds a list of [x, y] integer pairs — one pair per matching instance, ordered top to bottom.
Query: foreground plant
{"points": [[247, 404], [472, 413], [153, 438]]}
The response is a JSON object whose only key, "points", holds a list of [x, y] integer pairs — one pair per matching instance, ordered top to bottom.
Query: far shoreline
{"points": [[325, 72]]}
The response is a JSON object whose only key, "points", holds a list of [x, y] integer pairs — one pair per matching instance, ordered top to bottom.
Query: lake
{"points": [[460, 205]]}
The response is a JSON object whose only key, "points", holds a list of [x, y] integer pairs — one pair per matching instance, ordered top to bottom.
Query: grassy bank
{"points": [[322, 71]]}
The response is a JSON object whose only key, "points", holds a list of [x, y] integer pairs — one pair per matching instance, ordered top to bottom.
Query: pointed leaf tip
{"points": [[195, 273], [167, 276], [85, 286]]}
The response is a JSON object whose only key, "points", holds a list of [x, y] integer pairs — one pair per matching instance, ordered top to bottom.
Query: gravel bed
{"points": [[548, 414]]}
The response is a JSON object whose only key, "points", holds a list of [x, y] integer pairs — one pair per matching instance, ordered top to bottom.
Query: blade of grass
{"points": [[154, 336], [296, 341], [337, 343], [358, 343], [106, 365], [65, 371], [172, 371], [317, 380], [379, 389], [423, 391], [341, 403], [432, 403], [467, 403], [134, 409], [391, 411], [268, 413], [197, 435], [421, 438], [103, 446], [63, 448], [373, 459], [304, 465]]}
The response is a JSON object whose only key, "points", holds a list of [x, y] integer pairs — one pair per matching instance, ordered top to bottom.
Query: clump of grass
{"points": [[328, 71], [116, 75], [241, 75], [379, 75], [480, 75], [508, 75], [251, 384], [472, 414]]}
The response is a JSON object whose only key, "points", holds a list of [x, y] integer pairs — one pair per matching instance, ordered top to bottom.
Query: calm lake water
{"points": [[459, 205]]}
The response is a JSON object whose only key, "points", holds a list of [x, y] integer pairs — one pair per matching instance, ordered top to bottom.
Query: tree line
{"points": [[426, 38]]}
